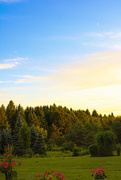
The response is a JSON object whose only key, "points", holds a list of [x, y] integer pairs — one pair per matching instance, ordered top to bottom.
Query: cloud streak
{"points": [[11, 63], [95, 70], [93, 81]]}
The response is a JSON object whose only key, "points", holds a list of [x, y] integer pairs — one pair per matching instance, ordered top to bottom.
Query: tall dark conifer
{"points": [[11, 114], [16, 136], [33, 138], [40, 145]]}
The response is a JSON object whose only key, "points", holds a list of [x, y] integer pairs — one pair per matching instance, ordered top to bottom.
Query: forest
{"points": [[33, 128]]}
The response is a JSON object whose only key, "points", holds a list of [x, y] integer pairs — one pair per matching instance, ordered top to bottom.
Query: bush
{"points": [[60, 141], [105, 141], [49, 146], [68, 146], [93, 149], [118, 149], [76, 151], [84, 152], [30, 153]]}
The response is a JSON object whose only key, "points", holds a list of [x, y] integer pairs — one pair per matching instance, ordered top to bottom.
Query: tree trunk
{"points": [[8, 176]]}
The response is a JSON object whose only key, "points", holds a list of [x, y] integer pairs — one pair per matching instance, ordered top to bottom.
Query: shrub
{"points": [[60, 141], [105, 141], [49, 146], [68, 146], [93, 149], [118, 149], [76, 151], [84, 152], [30, 153]]}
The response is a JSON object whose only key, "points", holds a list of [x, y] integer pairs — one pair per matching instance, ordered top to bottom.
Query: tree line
{"points": [[53, 124]]}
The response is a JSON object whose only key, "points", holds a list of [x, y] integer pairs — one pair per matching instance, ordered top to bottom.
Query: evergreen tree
{"points": [[20, 111], [87, 112], [94, 113], [11, 114], [40, 115], [3, 117], [31, 117], [76, 134], [16, 136], [8, 137], [25, 137], [33, 138], [3, 140], [0, 142], [40, 145]]}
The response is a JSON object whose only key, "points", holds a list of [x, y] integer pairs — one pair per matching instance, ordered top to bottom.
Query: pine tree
{"points": [[11, 114], [3, 117], [16, 136], [8, 137], [25, 137], [33, 138], [3, 140], [0, 142], [40, 145]]}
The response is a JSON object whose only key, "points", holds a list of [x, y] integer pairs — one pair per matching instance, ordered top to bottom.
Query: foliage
{"points": [[94, 113], [11, 114], [3, 117], [57, 124], [116, 127], [89, 133], [76, 134], [16, 136], [25, 137], [33, 138], [60, 140], [105, 141], [40, 145], [49, 146], [68, 146], [118, 148], [93, 149], [76, 151], [84, 152], [30, 153], [7, 164], [98, 174], [51, 175]]}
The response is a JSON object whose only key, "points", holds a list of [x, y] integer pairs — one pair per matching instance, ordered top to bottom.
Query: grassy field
{"points": [[74, 168]]}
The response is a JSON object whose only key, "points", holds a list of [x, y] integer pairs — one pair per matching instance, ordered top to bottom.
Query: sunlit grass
{"points": [[74, 168]]}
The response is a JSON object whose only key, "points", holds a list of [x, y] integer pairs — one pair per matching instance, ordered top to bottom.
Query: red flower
{"points": [[38, 175]]}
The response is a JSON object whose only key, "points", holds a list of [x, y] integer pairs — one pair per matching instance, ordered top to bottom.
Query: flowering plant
{"points": [[7, 164], [98, 174], [51, 175]]}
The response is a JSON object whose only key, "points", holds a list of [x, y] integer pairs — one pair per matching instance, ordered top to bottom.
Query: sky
{"points": [[66, 52]]}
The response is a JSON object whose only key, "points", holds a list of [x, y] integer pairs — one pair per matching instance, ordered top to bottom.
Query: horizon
{"points": [[62, 52]]}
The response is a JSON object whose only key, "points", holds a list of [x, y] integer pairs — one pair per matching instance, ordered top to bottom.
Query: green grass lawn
{"points": [[74, 168]]}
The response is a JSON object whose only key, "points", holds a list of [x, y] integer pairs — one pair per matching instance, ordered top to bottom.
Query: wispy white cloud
{"points": [[18, 59], [11, 63], [8, 66], [95, 70], [93, 81]]}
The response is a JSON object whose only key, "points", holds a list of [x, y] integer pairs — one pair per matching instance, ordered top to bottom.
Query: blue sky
{"points": [[61, 51]]}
